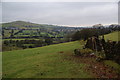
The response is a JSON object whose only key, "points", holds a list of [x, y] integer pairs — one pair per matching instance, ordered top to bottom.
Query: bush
{"points": [[77, 52], [82, 52], [100, 56]]}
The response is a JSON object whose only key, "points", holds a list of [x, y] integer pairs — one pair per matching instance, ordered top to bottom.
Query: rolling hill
{"points": [[23, 25], [29, 25], [18, 29], [114, 36], [53, 61], [44, 62]]}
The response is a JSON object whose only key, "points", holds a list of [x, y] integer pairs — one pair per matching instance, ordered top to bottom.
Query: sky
{"points": [[61, 13]]}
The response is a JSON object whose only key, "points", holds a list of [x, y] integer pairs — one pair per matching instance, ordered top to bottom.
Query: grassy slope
{"points": [[113, 36], [43, 62], [46, 62], [112, 64]]}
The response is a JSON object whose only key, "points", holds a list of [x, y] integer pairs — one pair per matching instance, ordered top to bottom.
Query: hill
{"points": [[23, 25], [29, 25], [22, 29], [114, 36], [53, 61], [44, 62]]}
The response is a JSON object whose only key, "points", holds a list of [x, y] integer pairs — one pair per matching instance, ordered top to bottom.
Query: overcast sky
{"points": [[61, 13]]}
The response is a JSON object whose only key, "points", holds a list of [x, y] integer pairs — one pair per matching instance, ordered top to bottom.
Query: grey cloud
{"points": [[61, 13]]}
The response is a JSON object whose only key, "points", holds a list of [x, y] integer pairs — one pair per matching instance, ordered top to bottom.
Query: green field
{"points": [[114, 36], [23, 39], [52, 61], [44, 62]]}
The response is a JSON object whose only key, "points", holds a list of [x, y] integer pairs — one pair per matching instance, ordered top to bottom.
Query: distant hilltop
{"points": [[30, 25]]}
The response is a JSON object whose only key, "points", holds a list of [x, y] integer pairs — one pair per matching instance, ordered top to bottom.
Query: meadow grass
{"points": [[114, 36], [22, 39], [47, 61], [43, 62], [112, 64]]}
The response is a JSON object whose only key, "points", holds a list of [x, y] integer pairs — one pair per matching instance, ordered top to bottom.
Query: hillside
{"points": [[23, 25], [29, 25], [22, 29], [17, 35], [114, 36], [53, 61], [44, 62]]}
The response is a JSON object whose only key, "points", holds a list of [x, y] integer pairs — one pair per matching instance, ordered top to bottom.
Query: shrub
{"points": [[77, 52], [83, 52], [100, 56]]}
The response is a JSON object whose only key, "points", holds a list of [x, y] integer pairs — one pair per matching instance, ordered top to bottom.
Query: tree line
{"points": [[84, 34], [22, 43]]}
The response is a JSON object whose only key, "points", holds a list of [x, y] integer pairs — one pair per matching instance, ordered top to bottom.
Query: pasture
{"points": [[114, 36], [54, 61], [43, 62]]}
